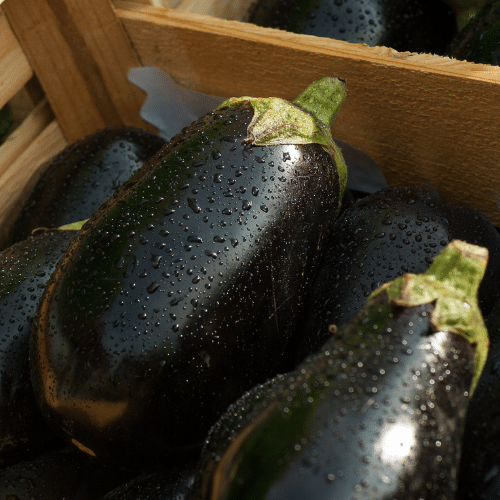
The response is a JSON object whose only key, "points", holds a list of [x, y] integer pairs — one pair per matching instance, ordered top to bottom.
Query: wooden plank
{"points": [[223, 9], [81, 55], [15, 69], [423, 118], [22, 137], [21, 176]]}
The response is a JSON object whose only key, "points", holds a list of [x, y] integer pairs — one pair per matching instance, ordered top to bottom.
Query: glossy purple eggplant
{"points": [[404, 25], [83, 176], [394, 231], [25, 268], [181, 291], [378, 413], [59, 474], [479, 475], [171, 484]]}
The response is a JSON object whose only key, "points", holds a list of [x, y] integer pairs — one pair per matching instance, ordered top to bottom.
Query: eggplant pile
{"points": [[404, 25], [231, 288]]}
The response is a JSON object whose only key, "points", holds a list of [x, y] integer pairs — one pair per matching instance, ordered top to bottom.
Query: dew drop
{"points": [[193, 205]]}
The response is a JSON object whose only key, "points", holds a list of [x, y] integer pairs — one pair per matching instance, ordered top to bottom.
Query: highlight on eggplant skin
{"points": [[377, 413]]}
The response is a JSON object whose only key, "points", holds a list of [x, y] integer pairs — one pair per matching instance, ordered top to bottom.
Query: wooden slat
{"points": [[223, 9], [81, 55], [15, 69], [423, 118], [22, 137], [21, 176]]}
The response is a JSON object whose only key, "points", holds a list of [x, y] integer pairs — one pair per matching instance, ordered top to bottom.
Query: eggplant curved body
{"points": [[404, 25], [479, 40], [83, 176], [394, 231], [25, 268], [181, 291], [378, 413], [480, 464], [62, 473], [158, 485]]}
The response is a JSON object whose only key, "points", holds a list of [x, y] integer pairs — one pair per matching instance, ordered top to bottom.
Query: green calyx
{"points": [[306, 120], [73, 226], [452, 282]]}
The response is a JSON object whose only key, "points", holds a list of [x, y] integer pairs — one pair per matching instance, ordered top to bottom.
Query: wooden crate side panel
{"points": [[81, 55], [15, 69], [423, 118], [20, 177]]}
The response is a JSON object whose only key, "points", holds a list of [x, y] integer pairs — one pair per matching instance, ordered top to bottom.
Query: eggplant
{"points": [[404, 25], [479, 40], [83, 176], [382, 236], [25, 269], [182, 290], [377, 413], [480, 463], [59, 474], [158, 485]]}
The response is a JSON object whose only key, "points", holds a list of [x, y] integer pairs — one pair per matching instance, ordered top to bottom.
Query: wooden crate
{"points": [[423, 118]]}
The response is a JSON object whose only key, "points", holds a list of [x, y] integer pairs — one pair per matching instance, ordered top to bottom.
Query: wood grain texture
{"points": [[236, 10], [81, 55], [15, 69], [423, 118], [21, 176]]}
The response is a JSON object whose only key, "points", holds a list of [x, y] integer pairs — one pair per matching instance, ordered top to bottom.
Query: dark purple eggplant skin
{"points": [[404, 25], [479, 40], [83, 176], [395, 231], [25, 269], [181, 292], [378, 413], [59, 474], [479, 475], [172, 484]]}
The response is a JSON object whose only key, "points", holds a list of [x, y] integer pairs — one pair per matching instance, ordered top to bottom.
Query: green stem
{"points": [[323, 99]]}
